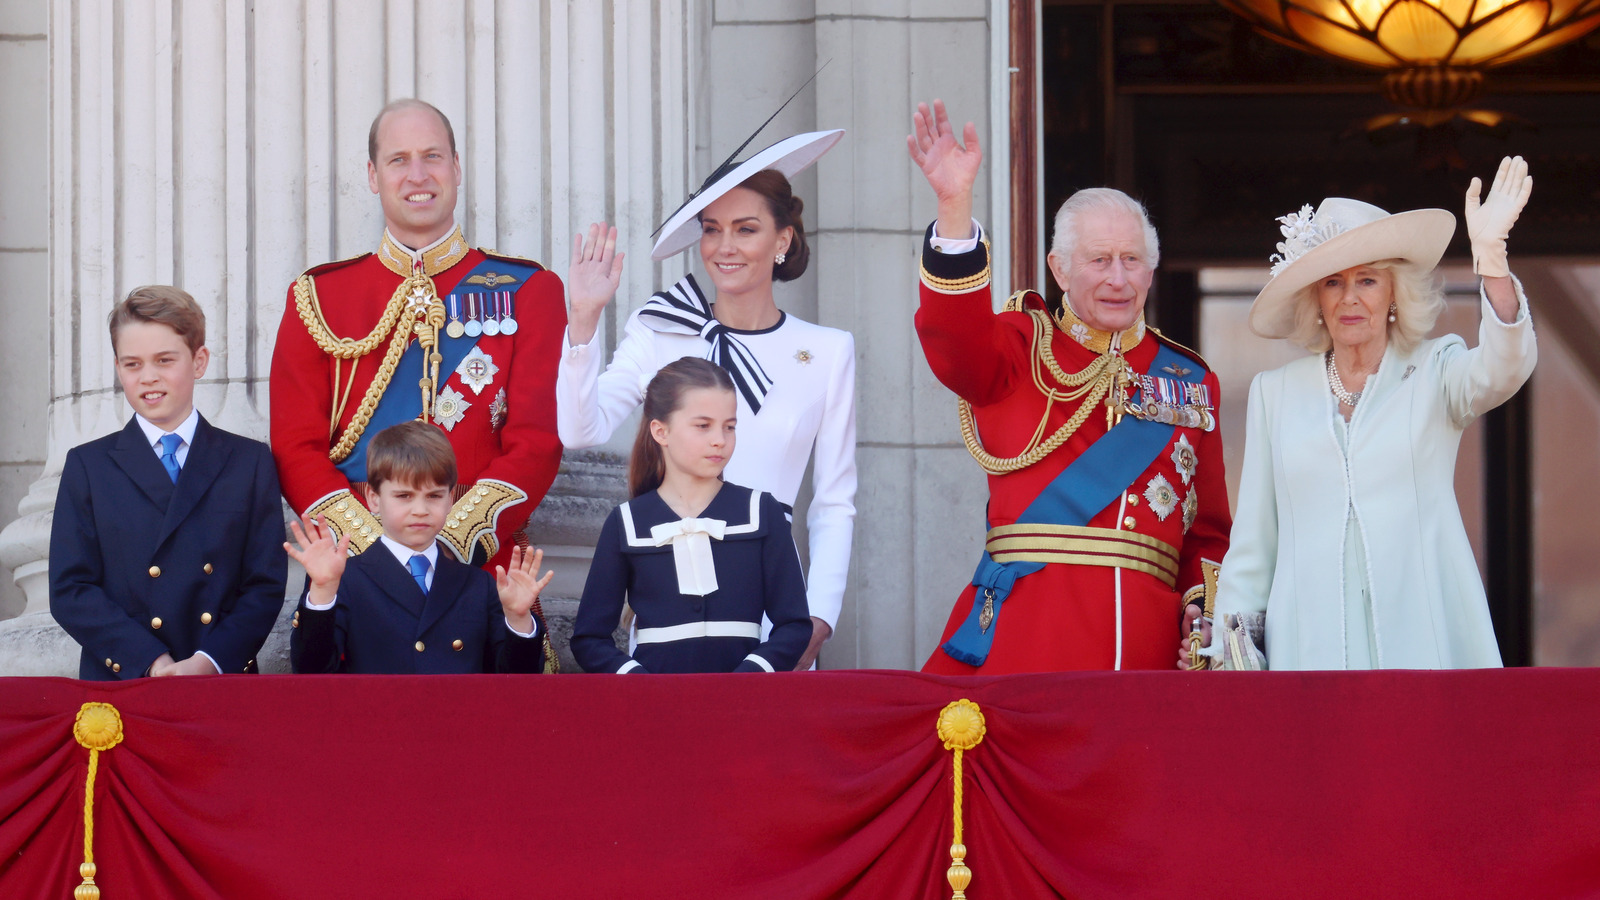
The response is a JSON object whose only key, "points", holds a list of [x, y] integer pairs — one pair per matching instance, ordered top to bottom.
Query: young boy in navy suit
{"points": [[166, 553], [405, 607]]}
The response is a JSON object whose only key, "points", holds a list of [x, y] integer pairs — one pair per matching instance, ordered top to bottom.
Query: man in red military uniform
{"points": [[427, 328], [1106, 486]]}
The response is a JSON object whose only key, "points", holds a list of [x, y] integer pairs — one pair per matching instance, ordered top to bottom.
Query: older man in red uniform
{"points": [[427, 328], [1106, 486]]}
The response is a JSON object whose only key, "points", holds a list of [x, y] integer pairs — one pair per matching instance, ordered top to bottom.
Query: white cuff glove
{"points": [[1489, 224]]}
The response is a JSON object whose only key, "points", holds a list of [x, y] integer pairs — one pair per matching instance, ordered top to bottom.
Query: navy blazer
{"points": [[140, 566], [382, 623]]}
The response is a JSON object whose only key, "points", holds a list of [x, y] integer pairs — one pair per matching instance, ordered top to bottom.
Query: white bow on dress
{"points": [[691, 552]]}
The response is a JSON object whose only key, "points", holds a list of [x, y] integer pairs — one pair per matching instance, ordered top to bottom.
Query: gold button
{"points": [[483, 492], [1133, 499], [342, 505], [1128, 522], [207, 568], [155, 571], [205, 618], [156, 623], [295, 623], [457, 644], [419, 646], [108, 663], [116, 667]]}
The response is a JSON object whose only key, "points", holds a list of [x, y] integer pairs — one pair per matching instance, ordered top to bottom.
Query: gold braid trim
{"points": [[959, 285], [429, 311], [1104, 379], [345, 515], [472, 519]]}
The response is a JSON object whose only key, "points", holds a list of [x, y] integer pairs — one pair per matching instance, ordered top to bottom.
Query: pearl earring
{"points": [[778, 260], [1393, 311], [1319, 318]]}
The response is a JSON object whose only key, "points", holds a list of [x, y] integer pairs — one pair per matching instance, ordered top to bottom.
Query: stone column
{"points": [[222, 147]]}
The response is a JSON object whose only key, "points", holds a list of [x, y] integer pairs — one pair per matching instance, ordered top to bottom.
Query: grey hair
{"points": [[1065, 239], [1418, 301]]}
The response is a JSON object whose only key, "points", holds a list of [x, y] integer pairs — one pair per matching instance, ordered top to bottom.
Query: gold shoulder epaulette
{"points": [[496, 254], [336, 264], [1018, 302], [1188, 351]]}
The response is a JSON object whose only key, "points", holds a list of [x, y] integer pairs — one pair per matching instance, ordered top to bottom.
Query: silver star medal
{"points": [[477, 369], [449, 408], [1183, 456], [1163, 499]]}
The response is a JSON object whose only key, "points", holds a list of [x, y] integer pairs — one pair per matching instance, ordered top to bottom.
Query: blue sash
{"points": [[402, 400], [1085, 487]]}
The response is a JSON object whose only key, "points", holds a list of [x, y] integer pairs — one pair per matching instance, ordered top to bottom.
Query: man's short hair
{"points": [[396, 106], [1066, 224], [162, 304], [413, 453]]}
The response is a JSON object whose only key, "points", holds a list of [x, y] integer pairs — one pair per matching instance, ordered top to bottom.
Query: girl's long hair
{"points": [[648, 465]]}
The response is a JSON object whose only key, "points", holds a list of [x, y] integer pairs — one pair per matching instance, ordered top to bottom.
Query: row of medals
{"points": [[481, 312]]}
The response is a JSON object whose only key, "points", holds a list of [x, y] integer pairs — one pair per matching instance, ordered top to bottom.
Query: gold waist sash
{"points": [[1084, 546]]}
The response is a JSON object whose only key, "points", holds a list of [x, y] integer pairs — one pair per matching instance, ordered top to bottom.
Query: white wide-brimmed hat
{"points": [[790, 156], [1343, 233]]}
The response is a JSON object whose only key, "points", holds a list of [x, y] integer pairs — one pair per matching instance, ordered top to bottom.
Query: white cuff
{"points": [[956, 245], [324, 607], [532, 634], [209, 659], [759, 661], [629, 666]]}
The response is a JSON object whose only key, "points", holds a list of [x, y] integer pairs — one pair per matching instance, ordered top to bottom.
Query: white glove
{"points": [[1489, 224]]}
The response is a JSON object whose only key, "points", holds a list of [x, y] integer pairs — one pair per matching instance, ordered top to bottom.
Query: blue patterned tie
{"points": [[169, 455], [419, 570]]}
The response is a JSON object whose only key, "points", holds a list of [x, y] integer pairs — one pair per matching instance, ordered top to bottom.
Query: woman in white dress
{"points": [[795, 380], [1347, 537]]}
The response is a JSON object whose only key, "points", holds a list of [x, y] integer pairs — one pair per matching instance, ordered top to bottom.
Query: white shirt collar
{"points": [[416, 255], [185, 430], [403, 553]]}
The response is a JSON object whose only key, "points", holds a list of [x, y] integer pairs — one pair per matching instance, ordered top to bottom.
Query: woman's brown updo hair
{"points": [[785, 208]]}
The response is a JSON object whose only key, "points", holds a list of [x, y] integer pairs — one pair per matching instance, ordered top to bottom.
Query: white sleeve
{"points": [[956, 245], [1477, 380], [590, 403], [830, 521], [1245, 581]]}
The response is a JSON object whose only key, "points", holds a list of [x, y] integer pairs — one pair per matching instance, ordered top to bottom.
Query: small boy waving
{"points": [[166, 552], [409, 609]]}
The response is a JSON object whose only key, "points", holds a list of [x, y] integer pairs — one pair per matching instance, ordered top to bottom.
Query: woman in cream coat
{"points": [[1347, 536]]}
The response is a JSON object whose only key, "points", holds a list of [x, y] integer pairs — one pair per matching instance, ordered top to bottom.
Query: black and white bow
{"points": [[682, 309]]}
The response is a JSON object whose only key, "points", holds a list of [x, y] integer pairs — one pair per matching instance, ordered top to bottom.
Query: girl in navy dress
{"points": [[699, 560]]}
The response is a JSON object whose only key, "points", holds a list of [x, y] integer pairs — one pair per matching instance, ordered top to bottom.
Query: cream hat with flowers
{"points": [[1343, 233]]}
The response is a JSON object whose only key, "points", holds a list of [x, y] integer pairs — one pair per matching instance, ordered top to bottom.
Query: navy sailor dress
{"points": [[757, 570]]}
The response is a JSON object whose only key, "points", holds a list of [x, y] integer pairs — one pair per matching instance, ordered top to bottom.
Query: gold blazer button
{"points": [[1129, 522], [207, 568], [155, 571], [205, 618], [156, 623], [456, 644], [419, 646], [116, 667]]}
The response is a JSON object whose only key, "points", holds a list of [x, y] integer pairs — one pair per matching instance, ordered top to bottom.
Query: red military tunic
{"points": [[503, 433], [1068, 616]]}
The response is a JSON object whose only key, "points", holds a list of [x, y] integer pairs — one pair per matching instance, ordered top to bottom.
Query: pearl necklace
{"points": [[1336, 384]]}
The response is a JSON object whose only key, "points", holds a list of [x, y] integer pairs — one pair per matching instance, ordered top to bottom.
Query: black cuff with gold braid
{"points": [[954, 273], [345, 515], [470, 525]]}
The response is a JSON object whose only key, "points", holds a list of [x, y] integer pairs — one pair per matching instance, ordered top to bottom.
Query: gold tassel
{"points": [[98, 727], [961, 728]]}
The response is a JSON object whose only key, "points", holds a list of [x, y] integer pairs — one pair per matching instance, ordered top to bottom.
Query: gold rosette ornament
{"points": [[98, 727], [961, 728]]}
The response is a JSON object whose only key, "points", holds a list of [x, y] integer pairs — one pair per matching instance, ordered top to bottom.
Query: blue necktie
{"points": [[169, 455], [419, 570]]}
